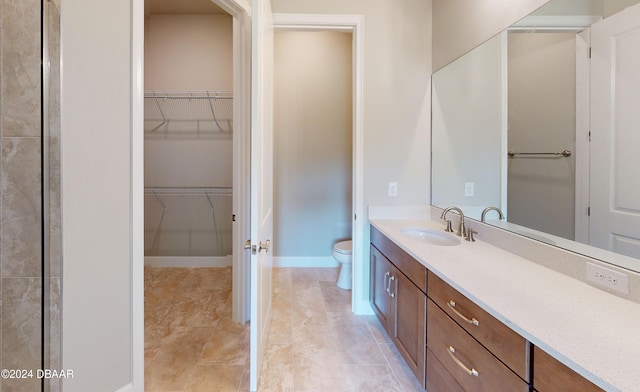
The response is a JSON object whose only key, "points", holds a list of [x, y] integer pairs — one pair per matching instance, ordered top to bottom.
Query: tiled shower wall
{"points": [[21, 272], [54, 273]]}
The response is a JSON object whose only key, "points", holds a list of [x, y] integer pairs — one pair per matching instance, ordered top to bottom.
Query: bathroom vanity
{"points": [[399, 299], [473, 317]]}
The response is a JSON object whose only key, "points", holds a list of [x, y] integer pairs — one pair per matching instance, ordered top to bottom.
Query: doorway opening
{"points": [[350, 26], [313, 137], [193, 324]]}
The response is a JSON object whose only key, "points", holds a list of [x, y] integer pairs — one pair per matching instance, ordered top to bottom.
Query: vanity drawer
{"points": [[409, 266], [504, 343], [461, 354], [550, 375], [438, 378]]}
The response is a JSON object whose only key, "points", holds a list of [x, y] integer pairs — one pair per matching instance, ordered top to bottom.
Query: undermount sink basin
{"points": [[434, 237]]}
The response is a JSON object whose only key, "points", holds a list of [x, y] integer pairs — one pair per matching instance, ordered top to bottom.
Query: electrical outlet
{"points": [[393, 189], [469, 190], [609, 278]]}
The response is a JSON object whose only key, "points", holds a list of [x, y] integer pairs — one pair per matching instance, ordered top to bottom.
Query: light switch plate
{"points": [[393, 189], [469, 189]]}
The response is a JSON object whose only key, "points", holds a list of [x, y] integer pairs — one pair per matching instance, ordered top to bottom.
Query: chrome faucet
{"points": [[484, 212], [461, 229]]}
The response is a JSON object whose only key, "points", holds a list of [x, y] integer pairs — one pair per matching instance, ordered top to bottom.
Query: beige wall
{"points": [[613, 6], [572, 7], [461, 25], [188, 52], [397, 69], [396, 92], [467, 123], [313, 141], [96, 194]]}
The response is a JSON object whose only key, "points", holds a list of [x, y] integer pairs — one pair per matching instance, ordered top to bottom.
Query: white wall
{"points": [[461, 25], [188, 52], [397, 69], [542, 107], [467, 123], [313, 141], [96, 194]]}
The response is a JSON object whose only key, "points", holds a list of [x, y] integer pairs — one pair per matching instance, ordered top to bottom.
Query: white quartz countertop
{"points": [[595, 333]]}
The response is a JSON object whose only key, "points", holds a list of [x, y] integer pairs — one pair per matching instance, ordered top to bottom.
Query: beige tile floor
{"points": [[316, 343]]}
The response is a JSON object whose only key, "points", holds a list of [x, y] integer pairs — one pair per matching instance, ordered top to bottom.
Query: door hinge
{"points": [[589, 51], [589, 135], [588, 211], [233, 217]]}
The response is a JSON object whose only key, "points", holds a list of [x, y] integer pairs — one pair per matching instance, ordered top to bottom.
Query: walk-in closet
{"points": [[188, 147]]}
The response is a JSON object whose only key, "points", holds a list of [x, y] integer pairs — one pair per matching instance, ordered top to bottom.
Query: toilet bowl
{"points": [[342, 253]]}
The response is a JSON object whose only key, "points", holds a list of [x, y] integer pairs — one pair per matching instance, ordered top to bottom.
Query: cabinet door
{"points": [[381, 302], [410, 330], [549, 375]]}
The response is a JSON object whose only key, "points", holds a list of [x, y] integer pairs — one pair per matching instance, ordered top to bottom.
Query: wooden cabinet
{"points": [[409, 266], [381, 301], [398, 302], [410, 324], [502, 341], [450, 343], [476, 349], [470, 364], [549, 375], [438, 378]]}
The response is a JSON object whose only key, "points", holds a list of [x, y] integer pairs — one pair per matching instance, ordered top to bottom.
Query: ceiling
{"points": [[182, 7]]}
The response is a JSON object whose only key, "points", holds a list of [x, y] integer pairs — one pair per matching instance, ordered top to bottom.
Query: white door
{"points": [[615, 133], [261, 182]]}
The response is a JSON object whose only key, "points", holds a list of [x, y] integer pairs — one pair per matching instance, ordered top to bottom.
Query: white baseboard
{"points": [[189, 261], [322, 262], [363, 308], [126, 388]]}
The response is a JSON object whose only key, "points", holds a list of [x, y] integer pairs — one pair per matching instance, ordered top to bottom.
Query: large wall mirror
{"points": [[543, 122]]}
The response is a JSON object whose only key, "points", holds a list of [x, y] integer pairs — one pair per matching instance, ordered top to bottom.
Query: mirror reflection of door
{"points": [[542, 75], [471, 102], [615, 124]]}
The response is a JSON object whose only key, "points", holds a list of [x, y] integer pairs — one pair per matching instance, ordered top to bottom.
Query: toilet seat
{"points": [[343, 247]]}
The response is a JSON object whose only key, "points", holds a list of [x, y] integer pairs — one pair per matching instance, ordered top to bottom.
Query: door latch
{"points": [[247, 245]]}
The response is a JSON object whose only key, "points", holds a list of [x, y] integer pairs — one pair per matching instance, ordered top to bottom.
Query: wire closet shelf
{"points": [[188, 113], [188, 221]]}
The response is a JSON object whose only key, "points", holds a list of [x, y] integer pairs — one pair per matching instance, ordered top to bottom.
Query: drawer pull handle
{"points": [[386, 275], [391, 293], [452, 306], [471, 372]]}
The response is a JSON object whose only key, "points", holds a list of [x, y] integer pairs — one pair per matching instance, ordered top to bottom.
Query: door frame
{"points": [[240, 10], [355, 25], [583, 142]]}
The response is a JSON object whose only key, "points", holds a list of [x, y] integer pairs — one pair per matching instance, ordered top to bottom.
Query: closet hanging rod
{"points": [[565, 153], [188, 190]]}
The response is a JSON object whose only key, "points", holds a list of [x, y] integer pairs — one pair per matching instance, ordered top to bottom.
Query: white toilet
{"points": [[342, 253]]}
